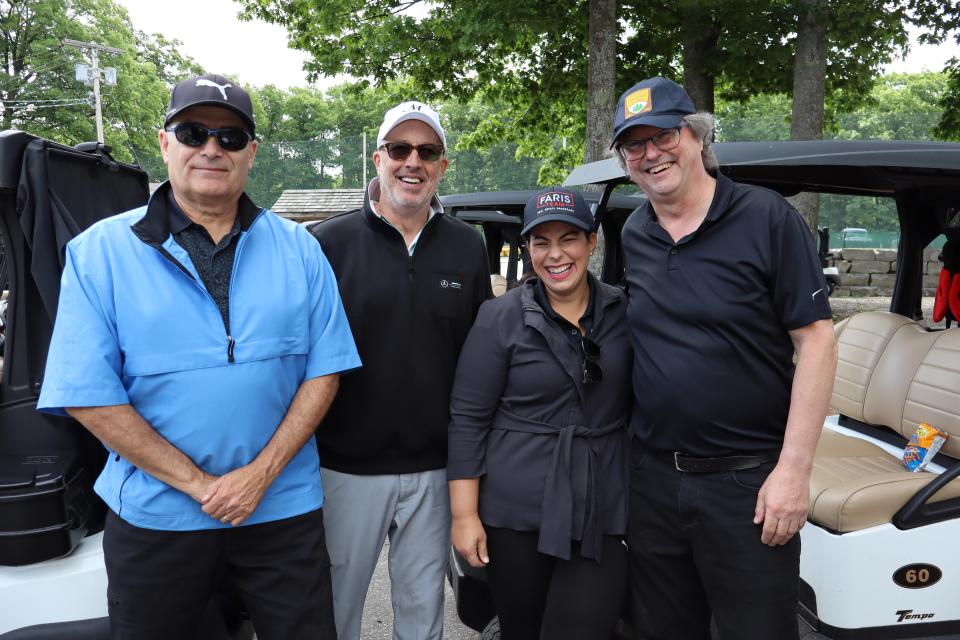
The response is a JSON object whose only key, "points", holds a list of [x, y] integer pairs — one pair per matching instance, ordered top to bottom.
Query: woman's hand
{"points": [[469, 539]]}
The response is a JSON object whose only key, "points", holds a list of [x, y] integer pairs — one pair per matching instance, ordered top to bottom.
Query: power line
{"points": [[55, 65], [38, 101], [65, 103]]}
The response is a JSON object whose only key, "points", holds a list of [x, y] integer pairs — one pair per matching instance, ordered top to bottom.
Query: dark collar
{"points": [[177, 219], [155, 225], [540, 295]]}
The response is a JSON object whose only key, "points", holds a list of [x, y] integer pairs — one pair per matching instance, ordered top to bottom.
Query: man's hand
{"points": [[234, 496], [785, 497], [782, 505], [470, 540]]}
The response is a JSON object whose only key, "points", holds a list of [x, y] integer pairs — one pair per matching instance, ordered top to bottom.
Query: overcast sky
{"points": [[256, 52]]}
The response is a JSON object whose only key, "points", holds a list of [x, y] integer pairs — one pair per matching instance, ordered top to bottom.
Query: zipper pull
{"points": [[410, 269], [230, 344]]}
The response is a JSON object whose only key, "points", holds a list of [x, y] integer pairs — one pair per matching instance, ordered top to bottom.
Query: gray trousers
{"points": [[413, 510]]}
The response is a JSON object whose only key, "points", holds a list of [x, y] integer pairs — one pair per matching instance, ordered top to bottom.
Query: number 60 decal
{"points": [[917, 576]]}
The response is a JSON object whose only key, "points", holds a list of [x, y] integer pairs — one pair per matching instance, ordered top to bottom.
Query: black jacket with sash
{"points": [[551, 451]]}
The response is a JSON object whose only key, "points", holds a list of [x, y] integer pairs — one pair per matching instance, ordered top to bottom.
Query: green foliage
{"points": [[531, 58], [39, 71], [900, 106], [764, 116], [948, 128], [311, 139], [874, 214]]}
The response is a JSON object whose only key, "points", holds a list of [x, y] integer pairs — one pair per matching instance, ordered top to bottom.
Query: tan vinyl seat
{"points": [[890, 372]]}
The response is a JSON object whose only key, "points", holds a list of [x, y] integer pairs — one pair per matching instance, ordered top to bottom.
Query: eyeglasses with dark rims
{"points": [[194, 134], [664, 140], [402, 150], [591, 361]]}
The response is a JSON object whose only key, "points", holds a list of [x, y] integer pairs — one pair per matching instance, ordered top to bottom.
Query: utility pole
{"points": [[93, 74], [363, 146]]}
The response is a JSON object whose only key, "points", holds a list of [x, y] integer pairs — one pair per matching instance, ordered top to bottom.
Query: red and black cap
{"points": [[557, 204]]}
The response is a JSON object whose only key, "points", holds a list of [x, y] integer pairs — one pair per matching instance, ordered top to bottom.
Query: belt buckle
{"points": [[676, 461]]}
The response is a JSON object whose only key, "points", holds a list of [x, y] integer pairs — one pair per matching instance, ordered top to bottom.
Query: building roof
{"points": [[317, 204]]}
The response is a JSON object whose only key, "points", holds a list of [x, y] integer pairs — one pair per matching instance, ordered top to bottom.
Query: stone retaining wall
{"points": [[868, 273]]}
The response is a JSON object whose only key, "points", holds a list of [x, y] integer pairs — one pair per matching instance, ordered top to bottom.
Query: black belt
{"points": [[692, 464]]}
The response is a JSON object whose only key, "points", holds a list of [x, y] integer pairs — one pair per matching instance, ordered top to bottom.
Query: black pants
{"points": [[694, 551], [160, 581], [539, 596]]}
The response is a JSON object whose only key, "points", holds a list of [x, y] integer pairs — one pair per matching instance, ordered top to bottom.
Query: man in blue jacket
{"points": [[201, 338]]}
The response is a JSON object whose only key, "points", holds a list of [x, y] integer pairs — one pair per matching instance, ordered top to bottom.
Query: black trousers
{"points": [[694, 551], [159, 582], [540, 596]]}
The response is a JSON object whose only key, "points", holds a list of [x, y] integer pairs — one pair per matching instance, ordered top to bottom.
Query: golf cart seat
{"points": [[893, 373]]}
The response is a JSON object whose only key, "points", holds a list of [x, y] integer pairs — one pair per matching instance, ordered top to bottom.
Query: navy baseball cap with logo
{"points": [[214, 90], [656, 102], [557, 204]]}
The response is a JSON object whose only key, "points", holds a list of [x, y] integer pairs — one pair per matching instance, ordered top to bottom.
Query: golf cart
{"points": [[876, 560], [52, 578]]}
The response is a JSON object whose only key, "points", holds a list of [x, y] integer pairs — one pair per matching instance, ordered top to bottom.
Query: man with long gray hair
{"points": [[724, 287]]}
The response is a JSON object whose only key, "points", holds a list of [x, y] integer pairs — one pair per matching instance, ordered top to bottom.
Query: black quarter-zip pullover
{"points": [[410, 315]]}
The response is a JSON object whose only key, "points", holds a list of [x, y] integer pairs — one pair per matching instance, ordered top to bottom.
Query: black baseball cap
{"points": [[214, 90], [656, 102], [557, 204]]}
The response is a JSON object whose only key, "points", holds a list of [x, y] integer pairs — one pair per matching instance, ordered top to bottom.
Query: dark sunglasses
{"points": [[193, 134], [402, 150], [591, 361]]}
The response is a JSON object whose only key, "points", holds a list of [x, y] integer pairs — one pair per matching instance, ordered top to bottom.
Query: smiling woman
{"points": [[542, 391]]}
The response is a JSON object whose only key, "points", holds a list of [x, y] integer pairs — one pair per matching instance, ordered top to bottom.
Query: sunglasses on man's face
{"points": [[193, 134], [402, 150], [591, 361]]}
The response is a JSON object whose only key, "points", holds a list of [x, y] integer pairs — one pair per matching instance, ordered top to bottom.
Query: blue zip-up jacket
{"points": [[135, 325]]}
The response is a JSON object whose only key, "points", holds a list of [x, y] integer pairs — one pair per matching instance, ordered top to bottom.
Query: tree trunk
{"points": [[699, 41], [601, 78], [809, 79]]}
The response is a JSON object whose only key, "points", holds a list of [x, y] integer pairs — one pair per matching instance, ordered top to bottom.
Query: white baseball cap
{"points": [[411, 110]]}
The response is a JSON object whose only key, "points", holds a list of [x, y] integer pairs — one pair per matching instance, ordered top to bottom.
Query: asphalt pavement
{"points": [[378, 612]]}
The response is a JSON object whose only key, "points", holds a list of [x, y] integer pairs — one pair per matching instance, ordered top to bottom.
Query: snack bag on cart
{"points": [[924, 444]]}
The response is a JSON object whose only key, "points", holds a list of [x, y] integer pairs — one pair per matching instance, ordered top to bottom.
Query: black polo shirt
{"points": [[213, 261], [709, 319], [569, 330]]}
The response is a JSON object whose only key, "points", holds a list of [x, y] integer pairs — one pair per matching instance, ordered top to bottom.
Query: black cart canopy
{"points": [[922, 177]]}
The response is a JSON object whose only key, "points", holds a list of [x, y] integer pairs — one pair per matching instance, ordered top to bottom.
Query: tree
{"points": [[941, 20], [530, 57], [534, 58], [601, 77], [36, 85], [809, 88], [38, 92], [900, 106], [764, 116], [312, 139], [296, 147]]}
